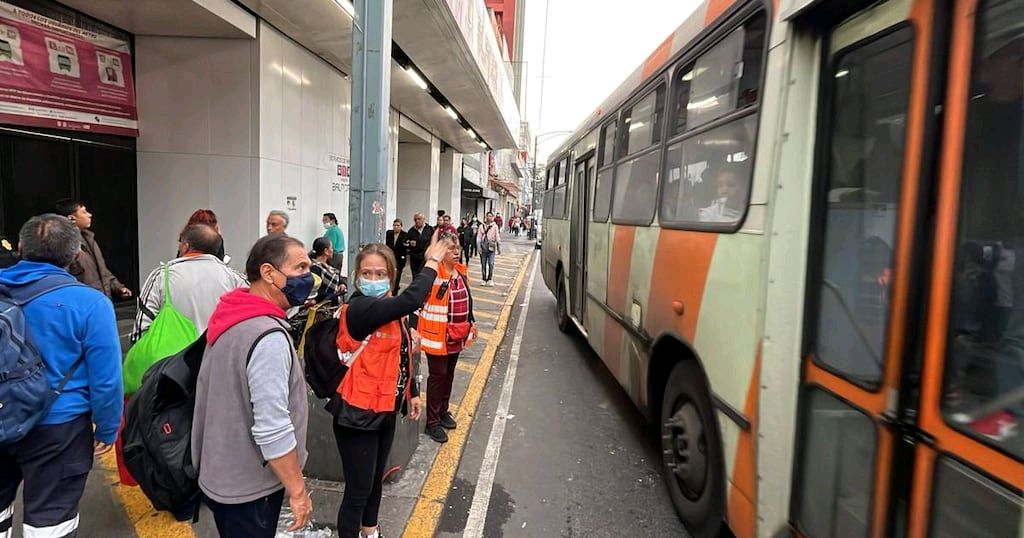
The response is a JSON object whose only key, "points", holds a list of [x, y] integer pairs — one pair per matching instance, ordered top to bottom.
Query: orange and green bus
{"points": [[791, 236]]}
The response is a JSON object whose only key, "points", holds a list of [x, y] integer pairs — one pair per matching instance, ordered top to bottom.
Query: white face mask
{"points": [[327, 225]]}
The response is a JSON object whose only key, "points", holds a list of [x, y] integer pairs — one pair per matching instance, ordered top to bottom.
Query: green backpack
{"points": [[169, 333]]}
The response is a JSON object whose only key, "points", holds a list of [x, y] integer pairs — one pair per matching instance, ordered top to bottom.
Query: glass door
{"points": [[872, 128], [579, 221], [968, 478]]}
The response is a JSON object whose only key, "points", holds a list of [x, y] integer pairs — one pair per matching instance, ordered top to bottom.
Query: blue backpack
{"points": [[25, 394]]}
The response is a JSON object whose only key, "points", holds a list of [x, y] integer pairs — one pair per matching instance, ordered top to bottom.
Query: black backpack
{"points": [[323, 367], [157, 435]]}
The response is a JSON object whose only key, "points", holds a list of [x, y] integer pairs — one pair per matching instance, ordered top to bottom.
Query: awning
{"points": [[506, 187], [474, 191]]}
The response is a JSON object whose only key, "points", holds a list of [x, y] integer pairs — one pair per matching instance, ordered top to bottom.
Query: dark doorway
{"points": [[39, 168]]}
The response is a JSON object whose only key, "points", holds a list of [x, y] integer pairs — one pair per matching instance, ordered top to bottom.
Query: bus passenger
{"points": [[728, 206]]}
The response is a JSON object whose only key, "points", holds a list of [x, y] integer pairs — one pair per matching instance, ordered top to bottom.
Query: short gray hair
{"points": [[279, 213], [50, 238]]}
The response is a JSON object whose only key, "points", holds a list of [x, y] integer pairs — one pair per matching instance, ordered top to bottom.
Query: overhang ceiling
{"points": [[178, 18], [426, 32]]}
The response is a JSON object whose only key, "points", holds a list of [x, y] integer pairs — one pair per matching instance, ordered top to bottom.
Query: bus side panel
{"points": [[598, 261]]}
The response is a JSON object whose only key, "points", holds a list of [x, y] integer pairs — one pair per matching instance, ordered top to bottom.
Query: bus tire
{"points": [[562, 309], [692, 451]]}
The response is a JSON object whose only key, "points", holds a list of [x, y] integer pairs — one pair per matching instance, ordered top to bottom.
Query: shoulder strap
{"points": [[167, 284], [268, 332], [71, 373]]}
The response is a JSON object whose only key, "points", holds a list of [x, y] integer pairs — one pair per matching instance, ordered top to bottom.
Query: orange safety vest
{"points": [[433, 324], [373, 371]]}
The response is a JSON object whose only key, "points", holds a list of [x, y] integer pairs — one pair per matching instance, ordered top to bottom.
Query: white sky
{"points": [[592, 46]]}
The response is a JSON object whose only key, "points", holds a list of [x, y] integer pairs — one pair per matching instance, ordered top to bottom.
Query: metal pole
{"points": [[371, 94]]}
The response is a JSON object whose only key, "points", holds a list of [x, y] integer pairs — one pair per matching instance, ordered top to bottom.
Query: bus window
{"points": [[723, 79], [870, 86], [644, 122], [607, 144], [707, 177], [636, 190], [603, 195], [984, 383], [968, 503]]}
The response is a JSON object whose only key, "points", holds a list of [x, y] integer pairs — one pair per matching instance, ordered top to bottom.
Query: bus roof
{"points": [[702, 17]]}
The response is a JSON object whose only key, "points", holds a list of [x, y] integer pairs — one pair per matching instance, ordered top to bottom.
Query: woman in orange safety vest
{"points": [[446, 325], [376, 343]]}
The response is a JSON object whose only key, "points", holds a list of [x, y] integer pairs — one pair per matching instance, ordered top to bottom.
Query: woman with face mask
{"points": [[376, 343]]}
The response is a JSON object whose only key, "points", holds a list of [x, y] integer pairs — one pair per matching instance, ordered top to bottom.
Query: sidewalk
{"points": [[110, 510]]}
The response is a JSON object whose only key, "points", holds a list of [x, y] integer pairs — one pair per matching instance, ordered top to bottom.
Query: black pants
{"points": [[466, 254], [417, 264], [400, 266], [439, 385], [364, 454], [54, 463], [254, 519]]}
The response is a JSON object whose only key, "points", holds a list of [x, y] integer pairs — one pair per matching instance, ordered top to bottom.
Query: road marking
{"points": [[487, 300], [485, 314], [465, 367], [485, 482], [427, 513], [147, 521]]}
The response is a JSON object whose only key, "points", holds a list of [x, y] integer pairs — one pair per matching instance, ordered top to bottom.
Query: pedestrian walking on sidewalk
{"points": [[333, 232], [467, 236], [396, 240], [417, 241], [488, 241], [89, 266], [446, 326], [73, 329], [378, 345], [249, 427]]}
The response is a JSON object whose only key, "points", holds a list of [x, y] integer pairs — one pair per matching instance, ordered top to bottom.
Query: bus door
{"points": [[876, 116], [578, 223], [968, 472]]}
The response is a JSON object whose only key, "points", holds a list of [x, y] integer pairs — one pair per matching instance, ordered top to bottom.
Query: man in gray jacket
{"points": [[197, 278], [249, 426]]}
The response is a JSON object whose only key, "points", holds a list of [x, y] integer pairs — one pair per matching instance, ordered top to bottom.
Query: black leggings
{"points": [[364, 454]]}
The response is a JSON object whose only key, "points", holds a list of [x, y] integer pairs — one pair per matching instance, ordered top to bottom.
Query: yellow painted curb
{"points": [[427, 513], [147, 521]]}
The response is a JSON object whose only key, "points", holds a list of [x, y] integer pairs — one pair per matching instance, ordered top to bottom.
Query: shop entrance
{"points": [[38, 168]]}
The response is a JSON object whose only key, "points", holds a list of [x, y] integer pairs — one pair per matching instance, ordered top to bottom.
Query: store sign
{"points": [[56, 75], [340, 165]]}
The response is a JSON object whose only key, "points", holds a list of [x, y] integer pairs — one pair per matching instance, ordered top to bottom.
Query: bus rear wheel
{"points": [[562, 310], [692, 452]]}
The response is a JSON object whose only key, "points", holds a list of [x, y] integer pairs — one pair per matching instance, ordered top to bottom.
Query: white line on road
{"points": [[485, 482]]}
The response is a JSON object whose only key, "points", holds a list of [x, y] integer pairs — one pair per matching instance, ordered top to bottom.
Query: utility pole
{"points": [[371, 106]]}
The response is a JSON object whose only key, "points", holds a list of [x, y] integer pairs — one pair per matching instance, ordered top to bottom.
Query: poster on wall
{"points": [[56, 75]]}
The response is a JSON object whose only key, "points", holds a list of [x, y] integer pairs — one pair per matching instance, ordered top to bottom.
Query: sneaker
{"points": [[448, 421], [997, 426], [437, 433]]}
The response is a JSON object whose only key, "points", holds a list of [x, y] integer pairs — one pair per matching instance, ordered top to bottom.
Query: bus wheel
{"points": [[562, 310], [692, 452]]}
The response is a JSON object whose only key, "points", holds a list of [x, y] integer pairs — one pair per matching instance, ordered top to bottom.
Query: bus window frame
{"points": [[687, 60], [651, 87], [604, 166], [819, 202]]}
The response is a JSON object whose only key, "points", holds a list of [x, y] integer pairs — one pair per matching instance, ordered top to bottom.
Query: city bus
{"points": [[791, 236]]}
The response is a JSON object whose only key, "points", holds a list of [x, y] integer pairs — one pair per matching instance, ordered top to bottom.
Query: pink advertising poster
{"points": [[58, 76]]}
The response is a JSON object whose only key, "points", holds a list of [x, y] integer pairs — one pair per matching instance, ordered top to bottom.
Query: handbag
{"points": [[459, 332]]}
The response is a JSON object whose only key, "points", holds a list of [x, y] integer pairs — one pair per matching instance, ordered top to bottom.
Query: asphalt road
{"points": [[576, 459]]}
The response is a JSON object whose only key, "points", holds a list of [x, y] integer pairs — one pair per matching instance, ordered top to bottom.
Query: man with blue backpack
{"points": [[60, 377]]}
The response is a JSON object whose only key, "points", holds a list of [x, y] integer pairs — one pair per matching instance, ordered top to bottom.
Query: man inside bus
{"points": [[732, 195]]}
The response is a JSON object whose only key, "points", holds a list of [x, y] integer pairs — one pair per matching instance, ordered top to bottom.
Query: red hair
{"points": [[201, 216]]}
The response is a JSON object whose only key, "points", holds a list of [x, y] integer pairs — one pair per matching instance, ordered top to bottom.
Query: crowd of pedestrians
{"points": [[250, 416]]}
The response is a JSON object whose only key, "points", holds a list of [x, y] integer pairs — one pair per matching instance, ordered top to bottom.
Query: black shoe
{"points": [[448, 421], [437, 433]]}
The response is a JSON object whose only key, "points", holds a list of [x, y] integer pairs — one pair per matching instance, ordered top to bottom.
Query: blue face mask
{"points": [[374, 288], [297, 289]]}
